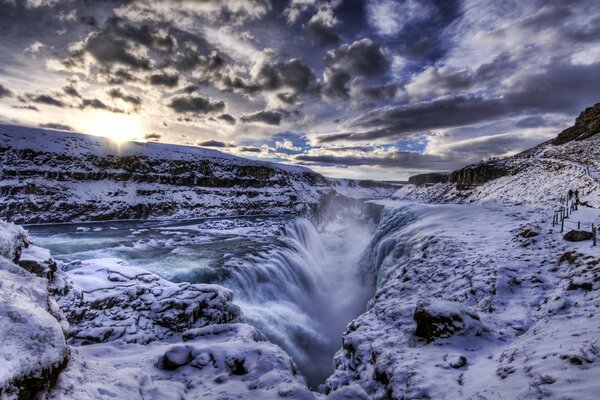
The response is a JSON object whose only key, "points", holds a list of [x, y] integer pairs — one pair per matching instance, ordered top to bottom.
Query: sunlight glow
{"points": [[117, 127]]}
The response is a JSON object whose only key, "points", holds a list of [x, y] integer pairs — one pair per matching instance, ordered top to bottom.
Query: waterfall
{"points": [[302, 292]]}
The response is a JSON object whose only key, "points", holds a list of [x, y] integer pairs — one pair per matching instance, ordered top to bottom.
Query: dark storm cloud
{"points": [[322, 32], [121, 43], [109, 49], [363, 57], [292, 74], [121, 76], [164, 79], [335, 85], [560, 88], [71, 91], [4, 92], [117, 93], [45, 99], [98, 105], [196, 105], [27, 107], [266, 117], [227, 118], [57, 126], [152, 136], [214, 143], [249, 149], [398, 159]]}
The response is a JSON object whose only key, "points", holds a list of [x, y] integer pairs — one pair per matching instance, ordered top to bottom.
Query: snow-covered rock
{"points": [[50, 176], [108, 300], [475, 301], [33, 348], [220, 361]]}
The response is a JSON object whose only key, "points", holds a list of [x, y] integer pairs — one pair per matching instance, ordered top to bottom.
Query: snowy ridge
{"points": [[48, 176], [538, 177]]}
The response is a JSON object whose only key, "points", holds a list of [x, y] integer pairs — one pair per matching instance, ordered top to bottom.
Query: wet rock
{"points": [[578, 236]]}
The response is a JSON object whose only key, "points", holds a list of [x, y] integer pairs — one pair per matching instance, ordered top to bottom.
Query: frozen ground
{"points": [[506, 308]]}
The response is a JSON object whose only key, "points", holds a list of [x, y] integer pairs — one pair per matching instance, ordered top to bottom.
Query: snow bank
{"points": [[12, 239], [475, 301], [33, 347], [221, 361]]}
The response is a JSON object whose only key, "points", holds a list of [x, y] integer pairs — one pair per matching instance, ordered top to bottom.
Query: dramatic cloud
{"points": [[321, 27], [363, 57], [164, 79], [376, 88], [4, 92], [117, 93], [45, 99], [98, 105], [196, 105], [266, 117], [227, 118], [56, 126], [152, 136], [213, 143]]}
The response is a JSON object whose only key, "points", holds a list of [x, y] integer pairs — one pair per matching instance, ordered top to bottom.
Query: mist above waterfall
{"points": [[298, 284]]}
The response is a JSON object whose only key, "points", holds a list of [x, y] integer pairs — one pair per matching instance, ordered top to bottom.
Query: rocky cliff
{"points": [[586, 125], [570, 144], [49, 176]]}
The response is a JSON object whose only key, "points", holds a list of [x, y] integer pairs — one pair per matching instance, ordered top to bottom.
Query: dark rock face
{"points": [[586, 125], [479, 174], [432, 178], [578, 236], [442, 319]]}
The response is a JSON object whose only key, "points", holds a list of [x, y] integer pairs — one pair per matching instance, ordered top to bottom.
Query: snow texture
{"points": [[50, 176], [33, 345]]}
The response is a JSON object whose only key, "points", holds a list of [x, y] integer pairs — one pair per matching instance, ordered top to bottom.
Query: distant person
{"points": [[570, 193]]}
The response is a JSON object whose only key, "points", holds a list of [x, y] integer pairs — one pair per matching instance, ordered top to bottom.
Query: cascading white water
{"points": [[299, 286], [302, 293]]}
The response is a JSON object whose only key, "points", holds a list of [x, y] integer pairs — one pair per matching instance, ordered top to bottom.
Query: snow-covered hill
{"points": [[51, 176], [538, 176]]}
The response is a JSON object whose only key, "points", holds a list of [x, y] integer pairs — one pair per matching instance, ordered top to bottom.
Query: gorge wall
{"points": [[48, 176]]}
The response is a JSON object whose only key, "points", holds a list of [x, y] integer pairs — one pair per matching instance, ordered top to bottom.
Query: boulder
{"points": [[578, 236], [442, 319], [174, 358], [455, 360]]}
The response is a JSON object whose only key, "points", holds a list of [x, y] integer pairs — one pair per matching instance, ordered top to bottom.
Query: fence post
{"points": [[562, 225], [579, 225], [594, 236]]}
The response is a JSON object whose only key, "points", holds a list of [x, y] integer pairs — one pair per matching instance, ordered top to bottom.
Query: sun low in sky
{"points": [[377, 89], [117, 127]]}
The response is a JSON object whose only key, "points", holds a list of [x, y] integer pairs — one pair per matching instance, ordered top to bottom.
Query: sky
{"points": [[373, 89]]}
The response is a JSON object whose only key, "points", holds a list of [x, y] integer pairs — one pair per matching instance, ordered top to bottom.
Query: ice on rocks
{"points": [[111, 300]]}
